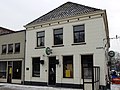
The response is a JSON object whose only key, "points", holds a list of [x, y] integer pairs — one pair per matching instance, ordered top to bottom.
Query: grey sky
{"points": [[14, 14]]}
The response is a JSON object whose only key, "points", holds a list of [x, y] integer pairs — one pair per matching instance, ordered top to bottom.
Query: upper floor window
{"points": [[79, 33], [58, 36], [40, 38], [17, 47], [10, 48], [4, 49]]}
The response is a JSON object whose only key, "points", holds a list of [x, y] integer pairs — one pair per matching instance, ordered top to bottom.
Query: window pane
{"points": [[78, 28], [58, 31], [79, 33], [40, 34], [58, 36], [76, 37], [82, 37], [40, 38], [58, 39], [41, 41], [17, 47], [10, 48], [4, 49], [87, 65], [68, 66], [36, 67], [3, 69], [87, 73]]}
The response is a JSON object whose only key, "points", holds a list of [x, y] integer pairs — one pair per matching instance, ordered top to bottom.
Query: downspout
{"points": [[24, 59]]}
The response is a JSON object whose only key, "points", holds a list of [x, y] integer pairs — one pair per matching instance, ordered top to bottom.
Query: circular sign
{"points": [[48, 51], [111, 53]]}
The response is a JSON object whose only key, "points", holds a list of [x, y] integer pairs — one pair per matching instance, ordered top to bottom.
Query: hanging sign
{"points": [[48, 51]]}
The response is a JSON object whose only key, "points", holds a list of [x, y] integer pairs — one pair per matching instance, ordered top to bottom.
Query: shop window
{"points": [[79, 33], [58, 36], [40, 38], [17, 47], [10, 48], [4, 49], [17, 65], [87, 65], [67, 66], [36, 67], [3, 69]]}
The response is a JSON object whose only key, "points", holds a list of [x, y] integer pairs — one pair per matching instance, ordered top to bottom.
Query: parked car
{"points": [[115, 77]]}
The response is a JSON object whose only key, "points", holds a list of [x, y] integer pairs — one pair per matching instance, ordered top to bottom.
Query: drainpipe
{"points": [[24, 59]]}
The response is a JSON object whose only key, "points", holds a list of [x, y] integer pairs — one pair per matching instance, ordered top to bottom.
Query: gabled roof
{"points": [[68, 9], [5, 31]]}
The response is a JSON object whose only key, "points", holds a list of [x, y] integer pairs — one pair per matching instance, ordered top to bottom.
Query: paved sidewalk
{"points": [[5, 86]]}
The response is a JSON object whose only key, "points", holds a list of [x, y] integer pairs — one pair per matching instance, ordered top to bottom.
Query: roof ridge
{"points": [[83, 5]]}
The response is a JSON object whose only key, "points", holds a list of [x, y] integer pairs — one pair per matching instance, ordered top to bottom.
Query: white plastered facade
{"points": [[95, 34]]}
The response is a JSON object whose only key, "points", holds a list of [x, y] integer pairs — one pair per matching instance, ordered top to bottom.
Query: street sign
{"points": [[111, 53]]}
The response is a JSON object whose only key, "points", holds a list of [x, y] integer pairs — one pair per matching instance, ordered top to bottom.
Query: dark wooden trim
{"points": [[82, 43], [58, 45], [40, 47], [35, 83], [65, 85]]}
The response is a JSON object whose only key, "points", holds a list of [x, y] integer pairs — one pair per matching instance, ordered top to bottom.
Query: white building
{"points": [[63, 41]]}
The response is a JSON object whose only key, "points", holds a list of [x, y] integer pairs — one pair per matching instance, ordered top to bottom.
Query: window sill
{"points": [[82, 43], [61, 45], [40, 47], [17, 53], [35, 76], [68, 77]]}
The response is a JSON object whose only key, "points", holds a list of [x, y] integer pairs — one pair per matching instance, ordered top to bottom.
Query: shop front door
{"points": [[52, 71]]}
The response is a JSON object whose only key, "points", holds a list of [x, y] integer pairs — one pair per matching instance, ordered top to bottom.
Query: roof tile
{"points": [[66, 10], [5, 31]]}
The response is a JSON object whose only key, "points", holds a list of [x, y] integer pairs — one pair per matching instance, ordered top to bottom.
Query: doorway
{"points": [[17, 66], [14, 70], [52, 71], [87, 72], [9, 76]]}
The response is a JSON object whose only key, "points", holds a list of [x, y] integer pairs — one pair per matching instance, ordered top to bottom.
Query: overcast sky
{"points": [[14, 14]]}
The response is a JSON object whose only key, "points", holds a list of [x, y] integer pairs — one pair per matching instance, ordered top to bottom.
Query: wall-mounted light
{"points": [[57, 60], [42, 62]]}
